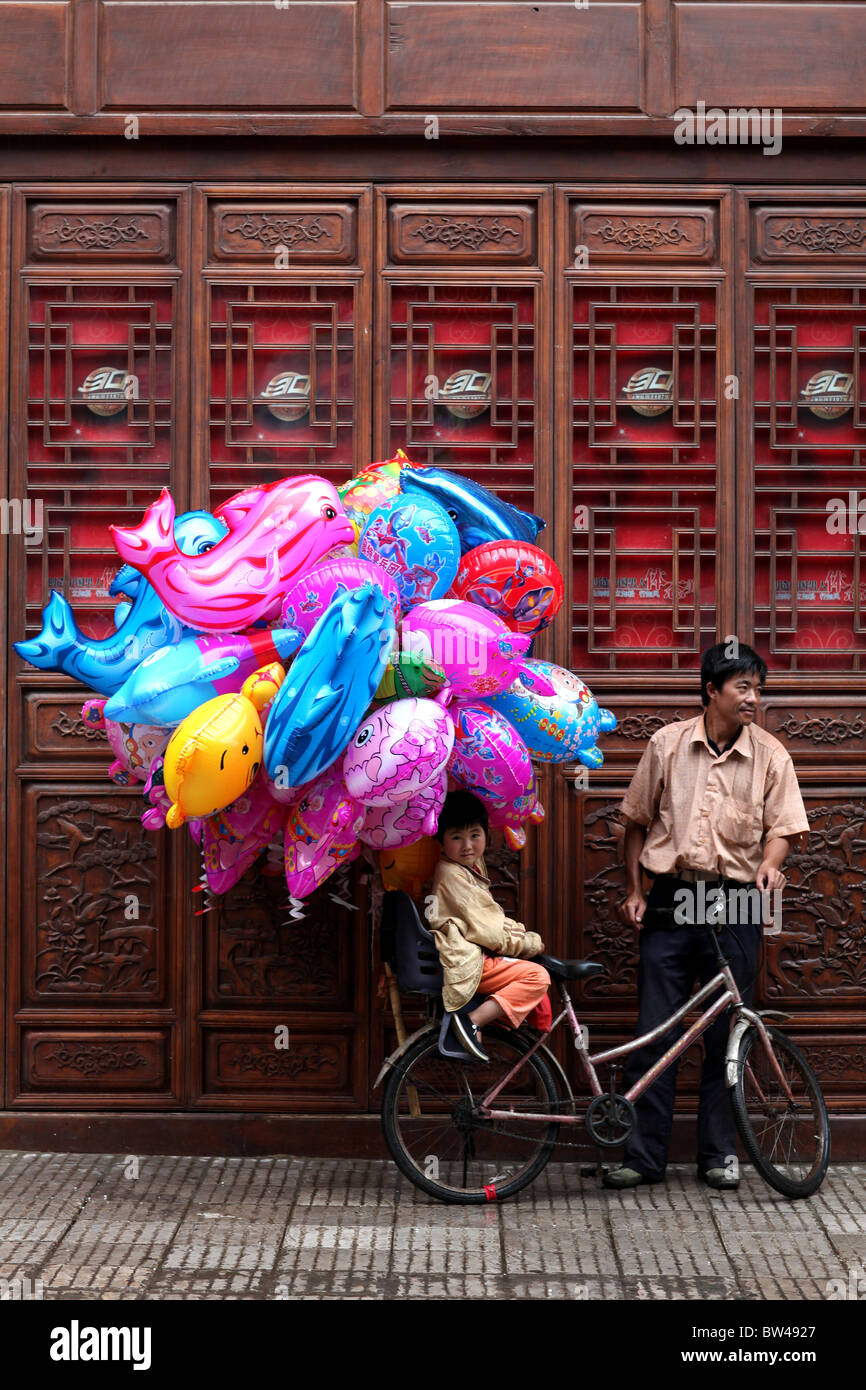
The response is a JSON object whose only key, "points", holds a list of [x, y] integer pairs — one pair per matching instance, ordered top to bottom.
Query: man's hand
{"points": [[769, 878], [633, 909]]}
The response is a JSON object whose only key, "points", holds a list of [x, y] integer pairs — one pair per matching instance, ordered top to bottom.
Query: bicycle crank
{"points": [[610, 1119]]}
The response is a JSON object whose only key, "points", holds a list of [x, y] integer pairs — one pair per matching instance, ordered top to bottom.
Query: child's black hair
{"points": [[461, 809]]}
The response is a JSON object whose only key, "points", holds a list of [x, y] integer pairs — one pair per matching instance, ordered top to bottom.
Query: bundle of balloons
{"points": [[311, 667]]}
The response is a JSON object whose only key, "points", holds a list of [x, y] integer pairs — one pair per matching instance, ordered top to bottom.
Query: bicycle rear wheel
{"points": [[788, 1140], [448, 1150]]}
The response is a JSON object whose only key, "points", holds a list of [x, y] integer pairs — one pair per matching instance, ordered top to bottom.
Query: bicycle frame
{"points": [[729, 998]]}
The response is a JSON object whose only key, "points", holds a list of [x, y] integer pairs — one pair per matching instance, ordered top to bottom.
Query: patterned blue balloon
{"points": [[415, 541], [556, 715]]}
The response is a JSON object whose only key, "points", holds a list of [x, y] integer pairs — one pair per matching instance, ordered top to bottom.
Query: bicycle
{"points": [[468, 1133]]}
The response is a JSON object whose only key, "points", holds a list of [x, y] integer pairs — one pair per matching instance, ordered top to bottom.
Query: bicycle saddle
{"points": [[570, 969]]}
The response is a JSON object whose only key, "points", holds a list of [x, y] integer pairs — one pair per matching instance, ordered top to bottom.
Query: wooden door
{"points": [[125, 991]]}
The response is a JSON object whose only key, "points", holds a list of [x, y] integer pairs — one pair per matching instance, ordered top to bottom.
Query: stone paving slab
{"points": [[116, 1227]]}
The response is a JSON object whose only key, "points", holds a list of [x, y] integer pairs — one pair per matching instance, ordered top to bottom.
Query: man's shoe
{"points": [[465, 1030], [625, 1177], [720, 1178]]}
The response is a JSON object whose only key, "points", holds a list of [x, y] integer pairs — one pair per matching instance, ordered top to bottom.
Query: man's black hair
{"points": [[718, 666], [460, 810]]}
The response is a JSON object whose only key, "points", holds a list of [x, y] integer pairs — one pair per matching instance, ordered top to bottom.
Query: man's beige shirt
{"points": [[708, 812]]}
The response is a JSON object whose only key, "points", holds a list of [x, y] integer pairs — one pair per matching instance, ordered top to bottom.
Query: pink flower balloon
{"points": [[276, 532], [310, 595], [474, 647], [398, 751], [491, 760], [389, 827], [321, 833], [233, 838]]}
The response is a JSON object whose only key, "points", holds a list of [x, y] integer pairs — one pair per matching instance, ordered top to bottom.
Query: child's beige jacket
{"points": [[463, 916]]}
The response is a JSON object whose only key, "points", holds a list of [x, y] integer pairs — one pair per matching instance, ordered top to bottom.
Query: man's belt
{"points": [[709, 877]]}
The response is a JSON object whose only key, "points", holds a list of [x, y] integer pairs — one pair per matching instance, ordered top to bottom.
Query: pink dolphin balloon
{"points": [[275, 533], [310, 595], [474, 647], [135, 746], [398, 751], [389, 827], [321, 832], [233, 838]]}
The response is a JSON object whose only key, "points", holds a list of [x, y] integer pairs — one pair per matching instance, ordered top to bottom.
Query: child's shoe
{"points": [[465, 1030]]}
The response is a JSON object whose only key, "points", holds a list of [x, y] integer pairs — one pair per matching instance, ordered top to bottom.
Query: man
{"points": [[714, 798]]}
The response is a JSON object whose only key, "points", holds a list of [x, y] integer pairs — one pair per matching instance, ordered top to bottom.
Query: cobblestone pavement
{"points": [[112, 1227]]}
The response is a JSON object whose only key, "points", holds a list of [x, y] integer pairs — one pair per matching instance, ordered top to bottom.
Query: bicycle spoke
{"points": [[781, 1113], [452, 1147]]}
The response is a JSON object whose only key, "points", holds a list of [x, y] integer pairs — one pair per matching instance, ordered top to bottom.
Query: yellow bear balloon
{"points": [[213, 756]]}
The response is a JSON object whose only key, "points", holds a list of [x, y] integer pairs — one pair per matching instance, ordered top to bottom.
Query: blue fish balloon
{"points": [[478, 513], [145, 624], [329, 687]]}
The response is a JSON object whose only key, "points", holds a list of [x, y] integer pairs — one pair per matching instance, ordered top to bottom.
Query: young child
{"points": [[477, 943]]}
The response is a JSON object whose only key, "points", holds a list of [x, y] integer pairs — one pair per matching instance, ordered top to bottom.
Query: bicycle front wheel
{"points": [[784, 1129], [441, 1143]]}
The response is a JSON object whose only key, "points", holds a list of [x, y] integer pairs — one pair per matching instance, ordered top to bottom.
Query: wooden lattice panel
{"points": [[488, 331], [287, 348], [809, 355], [644, 455], [93, 461]]}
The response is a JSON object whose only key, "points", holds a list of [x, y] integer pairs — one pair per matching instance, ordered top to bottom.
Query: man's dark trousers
{"points": [[670, 961]]}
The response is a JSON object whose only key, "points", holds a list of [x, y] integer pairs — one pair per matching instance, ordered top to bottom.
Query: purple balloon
{"points": [[309, 597]]}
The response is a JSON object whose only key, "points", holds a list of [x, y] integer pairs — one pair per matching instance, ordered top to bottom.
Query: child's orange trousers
{"points": [[516, 985]]}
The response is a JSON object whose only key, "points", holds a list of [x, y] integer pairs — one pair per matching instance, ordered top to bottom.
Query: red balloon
{"points": [[513, 579]]}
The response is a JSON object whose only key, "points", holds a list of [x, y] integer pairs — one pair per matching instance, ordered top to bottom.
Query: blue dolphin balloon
{"points": [[478, 514], [146, 624], [169, 684], [329, 687]]}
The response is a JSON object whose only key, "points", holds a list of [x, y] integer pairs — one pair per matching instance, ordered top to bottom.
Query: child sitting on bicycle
{"points": [[477, 944]]}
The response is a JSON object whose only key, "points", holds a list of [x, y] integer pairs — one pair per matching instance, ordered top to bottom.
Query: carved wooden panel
{"points": [[465, 55], [645, 232], [305, 233], [462, 233], [87, 234], [831, 235], [809, 438], [644, 446], [637, 719], [53, 727], [823, 729], [94, 907], [600, 935], [258, 954], [819, 958], [92, 1061], [244, 1065]]}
